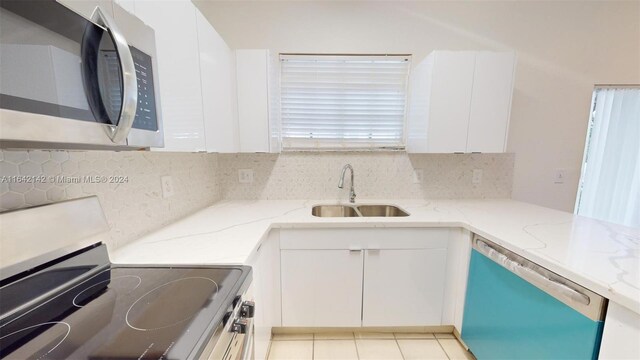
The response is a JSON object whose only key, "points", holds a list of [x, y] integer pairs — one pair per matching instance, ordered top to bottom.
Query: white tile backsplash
{"points": [[315, 175], [137, 206], [132, 208]]}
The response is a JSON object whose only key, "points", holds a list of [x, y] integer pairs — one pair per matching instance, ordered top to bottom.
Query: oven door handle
{"points": [[120, 131], [247, 346]]}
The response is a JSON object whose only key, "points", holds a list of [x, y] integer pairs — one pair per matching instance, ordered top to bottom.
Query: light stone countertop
{"points": [[597, 255]]}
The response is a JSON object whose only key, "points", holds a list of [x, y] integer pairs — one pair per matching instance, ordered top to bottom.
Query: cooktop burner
{"points": [[122, 284], [176, 294], [123, 313], [52, 335]]}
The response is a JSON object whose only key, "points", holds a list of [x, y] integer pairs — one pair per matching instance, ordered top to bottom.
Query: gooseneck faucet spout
{"points": [[352, 192]]}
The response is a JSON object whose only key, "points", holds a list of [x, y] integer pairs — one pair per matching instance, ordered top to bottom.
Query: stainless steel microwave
{"points": [[71, 82]]}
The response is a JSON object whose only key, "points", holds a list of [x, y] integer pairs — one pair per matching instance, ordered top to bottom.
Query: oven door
{"points": [[69, 82], [230, 344], [241, 347]]}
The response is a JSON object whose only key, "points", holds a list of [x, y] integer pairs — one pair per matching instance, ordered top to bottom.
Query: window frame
{"points": [[343, 146]]}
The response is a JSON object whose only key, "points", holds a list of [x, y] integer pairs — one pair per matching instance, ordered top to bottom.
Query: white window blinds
{"points": [[343, 102], [610, 185]]}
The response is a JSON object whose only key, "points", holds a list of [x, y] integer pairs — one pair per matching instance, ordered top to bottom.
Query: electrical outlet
{"points": [[245, 176], [418, 176], [477, 176], [559, 176], [167, 186]]}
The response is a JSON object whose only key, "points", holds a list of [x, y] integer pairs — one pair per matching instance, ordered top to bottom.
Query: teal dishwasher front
{"points": [[515, 309]]}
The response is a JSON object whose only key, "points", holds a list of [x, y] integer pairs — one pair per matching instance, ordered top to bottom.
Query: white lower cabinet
{"points": [[363, 277], [403, 287], [321, 288], [265, 291], [621, 334]]}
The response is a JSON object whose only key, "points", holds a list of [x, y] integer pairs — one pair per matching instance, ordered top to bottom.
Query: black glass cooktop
{"points": [[119, 313]]}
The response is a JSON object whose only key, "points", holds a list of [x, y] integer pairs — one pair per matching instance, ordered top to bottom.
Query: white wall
{"points": [[564, 48]]}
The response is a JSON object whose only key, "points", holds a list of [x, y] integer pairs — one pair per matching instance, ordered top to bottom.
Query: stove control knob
{"points": [[236, 300], [248, 309], [226, 317], [239, 326]]}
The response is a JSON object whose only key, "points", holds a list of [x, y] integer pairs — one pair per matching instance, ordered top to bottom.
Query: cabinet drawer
{"points": [[372, 238]]}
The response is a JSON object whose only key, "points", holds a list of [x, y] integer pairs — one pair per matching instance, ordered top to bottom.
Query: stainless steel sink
{"points": [[381, 210], [334, 211], [357, 211]]}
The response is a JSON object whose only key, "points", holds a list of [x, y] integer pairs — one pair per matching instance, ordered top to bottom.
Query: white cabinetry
{"points": [[86, 7], [174, 23], [196, 71], [217, 71], [252, 74], [212, 98], [460, 101], [490, 102], [458, 258], [265, 264], [363, 277], [321, 287], [403, 287], [621, 334]]}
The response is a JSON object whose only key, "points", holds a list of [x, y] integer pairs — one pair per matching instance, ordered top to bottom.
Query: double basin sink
{"points": [[357, 211]]}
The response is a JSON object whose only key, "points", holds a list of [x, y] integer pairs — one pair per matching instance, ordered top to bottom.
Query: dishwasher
{"points": [[516, 309]]}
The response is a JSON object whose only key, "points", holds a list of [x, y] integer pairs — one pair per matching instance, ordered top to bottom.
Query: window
{"points": [[343, 102], [609, 187]]}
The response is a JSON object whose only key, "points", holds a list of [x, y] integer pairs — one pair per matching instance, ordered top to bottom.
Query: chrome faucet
{"points": [[352, 192]]}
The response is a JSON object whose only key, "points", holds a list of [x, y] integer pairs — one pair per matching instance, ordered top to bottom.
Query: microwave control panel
{"points": [[146, 113]]}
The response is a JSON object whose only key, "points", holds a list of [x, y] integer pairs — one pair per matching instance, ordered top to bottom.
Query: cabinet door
{"points": [[128, 5], [86, 7], [174, 23], [217, 67], [252, 76], [450, 100], [490, 102], [265, 264], [321, 287], [403, 287], [621, 334]]}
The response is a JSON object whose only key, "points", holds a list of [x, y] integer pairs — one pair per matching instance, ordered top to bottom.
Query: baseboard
{"points": [[440, 329]]}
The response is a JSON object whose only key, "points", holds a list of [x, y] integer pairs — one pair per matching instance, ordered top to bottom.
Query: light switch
{"points": [[245, 176], [418, 176], [477, 176], [559, 176], [167, 186]]}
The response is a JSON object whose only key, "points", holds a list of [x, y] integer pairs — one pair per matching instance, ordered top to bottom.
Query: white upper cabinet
{"points": [[128, 5], [86, 7], [174, 23], [217, 70], [252, 74], [451, 88], [460, 101], [490, 102]]}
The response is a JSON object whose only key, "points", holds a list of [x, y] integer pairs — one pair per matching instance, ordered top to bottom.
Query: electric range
{"points": [[80, 306]]}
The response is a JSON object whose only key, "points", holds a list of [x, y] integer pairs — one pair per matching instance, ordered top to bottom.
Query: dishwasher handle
{"points": [[530, 273]]}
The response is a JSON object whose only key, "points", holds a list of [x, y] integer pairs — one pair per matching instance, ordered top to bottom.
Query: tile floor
{"points": [[367, 345]]}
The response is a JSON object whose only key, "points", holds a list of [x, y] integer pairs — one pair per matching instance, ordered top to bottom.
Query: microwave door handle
{"points": [[119, 132]]}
